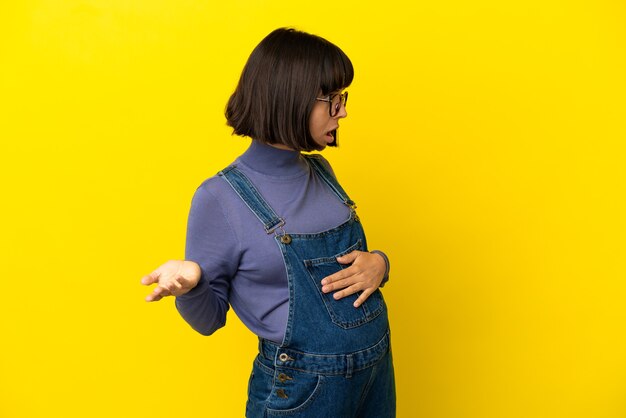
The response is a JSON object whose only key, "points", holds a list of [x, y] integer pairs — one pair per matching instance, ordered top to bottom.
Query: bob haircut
{"points": [[278, 86]]}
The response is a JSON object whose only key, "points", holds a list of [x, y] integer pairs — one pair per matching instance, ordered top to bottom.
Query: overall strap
{"points": [[314, 161], [252, 198]]}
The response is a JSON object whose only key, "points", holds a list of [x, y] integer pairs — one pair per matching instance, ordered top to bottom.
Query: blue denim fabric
{"points": [[335, 359]]}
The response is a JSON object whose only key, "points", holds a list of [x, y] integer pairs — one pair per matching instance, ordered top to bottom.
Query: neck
{"points": [[273, 160]]}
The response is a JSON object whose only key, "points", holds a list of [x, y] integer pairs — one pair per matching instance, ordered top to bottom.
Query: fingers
{"points": [[349, 258], [344, 259], [151, 278], [335, 278], [357, 278], [339, 284], [174, 285], [169, 288], [352, 290], [348, 291], [157, 294], [363, 297], [153, 298]]}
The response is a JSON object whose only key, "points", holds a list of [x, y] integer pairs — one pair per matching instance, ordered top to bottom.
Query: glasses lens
{"points": [[337, 101], [334, 105]]}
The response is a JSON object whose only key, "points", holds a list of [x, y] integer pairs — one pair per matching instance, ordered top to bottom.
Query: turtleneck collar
{"points": [[272, 161]]}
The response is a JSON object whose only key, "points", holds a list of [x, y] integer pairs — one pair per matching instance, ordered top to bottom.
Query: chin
{"points": [[322, 143]]}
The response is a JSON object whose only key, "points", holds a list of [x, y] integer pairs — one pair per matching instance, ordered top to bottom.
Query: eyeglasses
{"points": [[335, 102]]}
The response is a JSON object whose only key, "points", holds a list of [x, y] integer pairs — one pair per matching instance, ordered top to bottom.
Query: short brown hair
{"points": [[278, 86]]}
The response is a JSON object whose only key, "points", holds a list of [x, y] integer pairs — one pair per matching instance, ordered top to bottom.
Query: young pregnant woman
{"points": [[275, 236]]}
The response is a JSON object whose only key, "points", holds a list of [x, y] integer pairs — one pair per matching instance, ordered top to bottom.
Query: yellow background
{"points": [[484, 146]]}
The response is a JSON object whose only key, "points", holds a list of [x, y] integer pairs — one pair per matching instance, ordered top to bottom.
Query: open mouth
{"points": [[332, 135], [331, 138]]}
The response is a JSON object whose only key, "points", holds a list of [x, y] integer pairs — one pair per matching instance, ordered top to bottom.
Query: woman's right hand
{"points": [[174, 278]]}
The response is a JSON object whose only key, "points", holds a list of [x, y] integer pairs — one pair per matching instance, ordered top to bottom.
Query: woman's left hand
{"points": [[365, 275]]}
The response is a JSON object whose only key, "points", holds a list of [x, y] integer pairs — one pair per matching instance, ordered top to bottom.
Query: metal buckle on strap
{"points": [[350, 203], [352, 207], [278, 225]]}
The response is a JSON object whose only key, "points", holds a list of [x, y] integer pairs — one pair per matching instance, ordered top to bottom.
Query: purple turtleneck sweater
{"points": [[241, 264]]}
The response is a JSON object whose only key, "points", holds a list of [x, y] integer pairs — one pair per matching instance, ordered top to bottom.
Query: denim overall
{"points": [[335, 360]]}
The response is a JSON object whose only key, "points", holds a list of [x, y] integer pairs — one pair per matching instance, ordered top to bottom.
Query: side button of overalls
{"points": [[284, 357], [283, 377], [281, 394]]}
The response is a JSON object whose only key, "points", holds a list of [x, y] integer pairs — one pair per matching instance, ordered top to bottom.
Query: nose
{"points": [[342, 112]]}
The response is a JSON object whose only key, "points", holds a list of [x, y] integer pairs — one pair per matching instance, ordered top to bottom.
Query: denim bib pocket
{"points": [[342, 312]]}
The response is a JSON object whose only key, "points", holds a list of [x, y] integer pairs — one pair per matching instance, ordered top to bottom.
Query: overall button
{"points": [[285, 239], [284, 357], [283, 377], [281, 394]]}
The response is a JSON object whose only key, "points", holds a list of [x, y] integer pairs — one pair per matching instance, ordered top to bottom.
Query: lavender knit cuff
{"points": [[383, 255]]}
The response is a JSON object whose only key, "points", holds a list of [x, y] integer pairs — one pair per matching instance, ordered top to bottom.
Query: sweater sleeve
{"points": [[210, 243], [386, 276]]}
